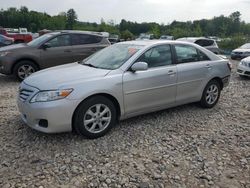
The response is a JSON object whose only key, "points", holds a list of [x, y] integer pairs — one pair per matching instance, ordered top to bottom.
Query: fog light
{"points": [[43, 123]]}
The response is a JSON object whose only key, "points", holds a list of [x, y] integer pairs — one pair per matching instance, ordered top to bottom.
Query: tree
{"points": [[71, 18], [127, 35]]}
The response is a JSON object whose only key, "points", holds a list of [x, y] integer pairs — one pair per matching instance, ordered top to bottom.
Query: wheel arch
{"points": [[24, 59], [219, 80], [109, 96]]}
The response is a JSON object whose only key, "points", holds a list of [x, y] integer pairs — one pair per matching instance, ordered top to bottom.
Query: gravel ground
{"points": [[180, 147]]}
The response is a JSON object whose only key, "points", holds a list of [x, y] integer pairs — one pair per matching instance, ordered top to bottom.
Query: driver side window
{"points": [[59, 41], [157, 56]]}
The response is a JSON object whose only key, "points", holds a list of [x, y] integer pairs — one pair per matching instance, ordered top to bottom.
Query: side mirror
{"points": [[46, 45], [139, 66]]}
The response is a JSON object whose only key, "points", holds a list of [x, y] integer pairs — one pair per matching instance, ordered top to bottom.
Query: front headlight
{"points": [[4, 54], [244, 63], [45, 96]]}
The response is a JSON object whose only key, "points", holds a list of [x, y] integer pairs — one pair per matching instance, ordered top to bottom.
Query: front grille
{"points": [[238, 53], [246, 64], [247, 72], [24, 94]]}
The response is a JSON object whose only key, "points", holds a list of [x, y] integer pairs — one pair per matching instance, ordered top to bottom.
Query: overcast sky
{"points": [[161, 11]]}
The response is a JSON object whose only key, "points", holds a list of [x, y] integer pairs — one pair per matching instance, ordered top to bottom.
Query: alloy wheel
{"points": [[24, 71], [212, 94], [97, 118]]}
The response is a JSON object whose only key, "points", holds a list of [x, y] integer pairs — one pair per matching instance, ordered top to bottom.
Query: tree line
{"points": [[221, 26]]}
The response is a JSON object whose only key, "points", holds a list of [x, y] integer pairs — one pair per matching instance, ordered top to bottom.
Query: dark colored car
{"points": [[5, 41], [49, 50], [241, 52]]}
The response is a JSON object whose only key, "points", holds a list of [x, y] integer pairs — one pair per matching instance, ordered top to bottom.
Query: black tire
{"points": [[24, 63], [204, 101], [81, 113]]}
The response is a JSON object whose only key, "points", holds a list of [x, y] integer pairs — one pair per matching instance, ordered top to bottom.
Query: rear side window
{"points": [[80, 39], [204, 42], [186, 54], [157, 56], [202, 56]]}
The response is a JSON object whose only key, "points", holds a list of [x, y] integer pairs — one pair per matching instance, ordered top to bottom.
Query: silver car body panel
{"points": [[243, 68], [136, 92]]}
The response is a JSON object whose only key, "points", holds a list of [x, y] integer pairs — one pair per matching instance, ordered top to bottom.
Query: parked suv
{"points": [[209, 44], [49, 50], [121, 81]]}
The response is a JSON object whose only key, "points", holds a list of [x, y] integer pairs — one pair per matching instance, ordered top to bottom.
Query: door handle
{"points": [[171, 72]]}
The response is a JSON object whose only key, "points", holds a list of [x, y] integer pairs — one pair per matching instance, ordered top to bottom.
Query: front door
{"points": [[58, 53], [153, 88]]}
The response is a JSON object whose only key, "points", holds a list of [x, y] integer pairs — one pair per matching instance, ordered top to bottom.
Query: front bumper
{"points": [[238, 56], [5, 65], [243, 70], [58, 114]]}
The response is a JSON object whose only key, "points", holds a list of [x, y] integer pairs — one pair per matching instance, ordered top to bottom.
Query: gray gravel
{"points": [[180, 147]]}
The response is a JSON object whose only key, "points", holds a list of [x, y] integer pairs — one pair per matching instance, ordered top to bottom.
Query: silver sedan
{"points": [[243, 68], [121, 81]]}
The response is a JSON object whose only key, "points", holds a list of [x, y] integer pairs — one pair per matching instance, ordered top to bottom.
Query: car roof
{"points": [[76, 32], [192, 39], [155, 42]]}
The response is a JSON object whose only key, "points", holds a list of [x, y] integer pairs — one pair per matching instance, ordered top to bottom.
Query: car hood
{"points": [[14, 47], [241, 50], [247, 59], [56, 77]]}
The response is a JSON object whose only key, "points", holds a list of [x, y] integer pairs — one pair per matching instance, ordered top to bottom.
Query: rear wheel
{"points": [[23, 69], [211, 94], [95, 117]]}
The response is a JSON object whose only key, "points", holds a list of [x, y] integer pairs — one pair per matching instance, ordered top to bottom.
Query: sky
{"points": [[160, 11]]}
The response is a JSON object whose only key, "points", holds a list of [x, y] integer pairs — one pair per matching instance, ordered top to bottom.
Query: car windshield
{"points": [[39, 40], [245, 46], [112, 57]]}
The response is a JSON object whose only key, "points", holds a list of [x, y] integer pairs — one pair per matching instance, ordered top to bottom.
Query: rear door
{"points": [[84, 45], [59, 52], [193, 68]]}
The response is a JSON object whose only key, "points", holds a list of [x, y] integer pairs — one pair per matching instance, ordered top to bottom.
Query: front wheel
{"points": [[23, 69], [211, 94], [95, 117]]}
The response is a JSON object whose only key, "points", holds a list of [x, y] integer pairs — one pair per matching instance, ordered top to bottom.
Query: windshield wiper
{"points": [[89, 65]]}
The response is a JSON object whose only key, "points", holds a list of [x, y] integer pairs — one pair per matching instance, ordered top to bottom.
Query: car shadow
{"points": [[8, 78], [122, 126], [22, 128]]}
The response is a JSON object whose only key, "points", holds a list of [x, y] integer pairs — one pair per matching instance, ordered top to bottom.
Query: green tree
{"points": [[71, 19], [127, 35]]}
